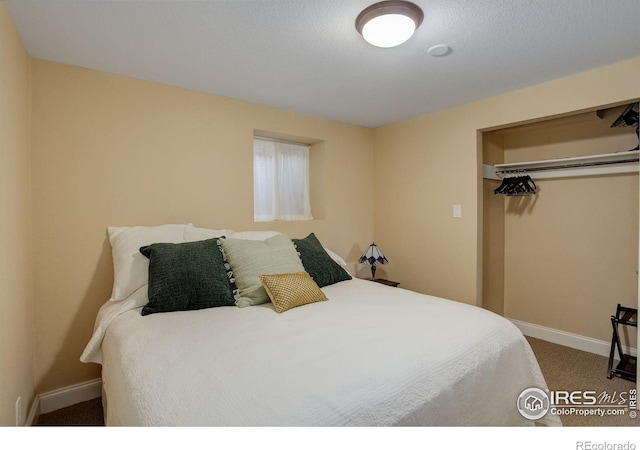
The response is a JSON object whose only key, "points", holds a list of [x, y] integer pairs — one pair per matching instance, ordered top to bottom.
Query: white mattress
{"points": [[370, 356]]}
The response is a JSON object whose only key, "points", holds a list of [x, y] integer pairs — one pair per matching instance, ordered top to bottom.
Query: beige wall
{"points": [[107, 150], [113, 151], [430, 163], [570, 253], [16, 296]]}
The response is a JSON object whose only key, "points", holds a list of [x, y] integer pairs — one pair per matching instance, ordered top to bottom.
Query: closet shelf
{"points": [[578, 161], [608, 163]]}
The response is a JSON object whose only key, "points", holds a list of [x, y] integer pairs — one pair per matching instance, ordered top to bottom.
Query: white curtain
{"points": [[280, 181]]}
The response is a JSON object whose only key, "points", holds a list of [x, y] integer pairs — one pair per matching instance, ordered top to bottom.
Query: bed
{"points": [[370, 355]]}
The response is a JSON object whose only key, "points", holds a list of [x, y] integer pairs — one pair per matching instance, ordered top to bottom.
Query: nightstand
{"points": [[387, 282]]}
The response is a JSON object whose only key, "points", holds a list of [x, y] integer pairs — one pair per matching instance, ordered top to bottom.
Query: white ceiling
{"points": [[306, 55]]}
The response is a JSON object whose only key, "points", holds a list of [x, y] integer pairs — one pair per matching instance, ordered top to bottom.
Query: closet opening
{"points": [[558, 258]]}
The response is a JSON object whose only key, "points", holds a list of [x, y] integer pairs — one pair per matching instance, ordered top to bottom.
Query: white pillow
{"points": [[192, 233], [255, 235], [336, 258], [130, 267]]}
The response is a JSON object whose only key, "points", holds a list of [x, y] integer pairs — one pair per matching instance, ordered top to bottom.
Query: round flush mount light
{"points": [[389, 23]]}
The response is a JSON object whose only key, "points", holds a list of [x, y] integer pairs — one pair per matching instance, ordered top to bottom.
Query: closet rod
{"points": [[602, 164], [568, 166], [579, 166]]}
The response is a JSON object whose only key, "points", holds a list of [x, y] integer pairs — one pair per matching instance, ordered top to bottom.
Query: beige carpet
{"points": [[563, 368], [570, 370], [87, 413]]}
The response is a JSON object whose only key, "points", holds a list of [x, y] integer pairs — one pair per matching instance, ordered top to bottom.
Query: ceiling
{"points": [[306, 55]]}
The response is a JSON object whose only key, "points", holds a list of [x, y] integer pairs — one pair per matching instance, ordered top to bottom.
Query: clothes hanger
{"points": [[506, 184], [516, 184], [518, 187], [533, 188]]}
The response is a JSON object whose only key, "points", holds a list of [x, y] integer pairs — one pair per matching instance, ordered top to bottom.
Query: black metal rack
{"points": [[627, 367]]}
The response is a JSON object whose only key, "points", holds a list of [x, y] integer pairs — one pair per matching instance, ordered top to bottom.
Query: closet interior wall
{"points": [[563, 258]]}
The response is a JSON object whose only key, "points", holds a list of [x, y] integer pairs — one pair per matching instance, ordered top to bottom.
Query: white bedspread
{"points": [[370, 356]]}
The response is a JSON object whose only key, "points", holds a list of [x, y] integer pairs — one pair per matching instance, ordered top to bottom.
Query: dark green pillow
{"points": [[318, 263], [187, 276]]}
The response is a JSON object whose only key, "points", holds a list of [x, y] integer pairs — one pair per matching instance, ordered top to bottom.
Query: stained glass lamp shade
{"points": [[373, 256]]}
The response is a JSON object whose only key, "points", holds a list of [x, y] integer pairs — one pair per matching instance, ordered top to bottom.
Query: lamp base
{"points": [[373, 272]]}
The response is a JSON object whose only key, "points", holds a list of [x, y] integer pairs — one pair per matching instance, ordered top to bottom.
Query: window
{"points": [[280, 180]]}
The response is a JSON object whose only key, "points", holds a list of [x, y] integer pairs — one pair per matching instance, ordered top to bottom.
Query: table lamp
{"points": [[372, 256]]}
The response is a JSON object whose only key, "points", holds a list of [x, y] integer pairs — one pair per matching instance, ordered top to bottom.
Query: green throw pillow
{"points": [[249, 259], [317, 262], [187, 276]]}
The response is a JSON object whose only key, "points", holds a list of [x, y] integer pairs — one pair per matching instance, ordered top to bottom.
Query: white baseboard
{"points": [[567, 339], [70, 395]]}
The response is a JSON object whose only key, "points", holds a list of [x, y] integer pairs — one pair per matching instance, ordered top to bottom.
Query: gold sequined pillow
{"points": [[289, 290]]}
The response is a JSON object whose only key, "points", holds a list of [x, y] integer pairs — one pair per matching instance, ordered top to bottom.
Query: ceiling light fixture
{"points": [[389, 23]]}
